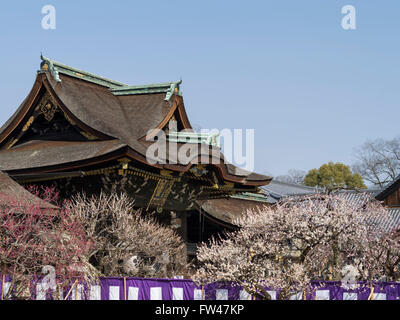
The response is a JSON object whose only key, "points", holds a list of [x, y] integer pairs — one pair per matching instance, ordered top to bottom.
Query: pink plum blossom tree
{"points": [[34, 239]]}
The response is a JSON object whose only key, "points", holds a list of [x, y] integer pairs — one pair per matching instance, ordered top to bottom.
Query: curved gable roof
{"points": [[113, 111], [127, 118]]}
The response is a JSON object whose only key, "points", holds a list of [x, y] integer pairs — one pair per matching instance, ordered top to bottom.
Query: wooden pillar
{"points": [[179, 223]]}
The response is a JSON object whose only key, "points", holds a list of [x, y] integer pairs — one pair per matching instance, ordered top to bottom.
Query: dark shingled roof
{"points": [[109, 110], [127, 118], [36, 154], [9, 189], [229, 209]]}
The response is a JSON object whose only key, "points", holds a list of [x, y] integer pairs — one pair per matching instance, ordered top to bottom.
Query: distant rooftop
{"points": [[278, 190], [391, 222]]}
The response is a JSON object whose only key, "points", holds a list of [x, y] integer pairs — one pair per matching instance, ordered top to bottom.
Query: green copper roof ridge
{"points": [[101, 80], [166, 85], [117, 88], [250, 196]]}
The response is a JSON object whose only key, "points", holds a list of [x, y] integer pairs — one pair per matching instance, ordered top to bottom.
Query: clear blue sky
{"points": [[311, 90]]}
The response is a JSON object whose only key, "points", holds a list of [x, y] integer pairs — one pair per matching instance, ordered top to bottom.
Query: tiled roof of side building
{"points": [[276, 190], [356, 197], [389, 222], [394, 222]]}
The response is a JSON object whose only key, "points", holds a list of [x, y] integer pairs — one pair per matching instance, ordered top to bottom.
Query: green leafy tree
{"points": [[334, 175]]}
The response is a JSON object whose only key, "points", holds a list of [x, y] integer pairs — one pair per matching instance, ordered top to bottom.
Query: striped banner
{"points": [[177, 289]]}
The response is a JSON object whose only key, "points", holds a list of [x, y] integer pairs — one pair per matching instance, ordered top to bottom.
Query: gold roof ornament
{"points": [[48, 110], [166, 173]]}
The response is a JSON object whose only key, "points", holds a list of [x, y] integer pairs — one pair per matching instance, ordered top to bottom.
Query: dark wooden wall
{"points": [[393, 199]]}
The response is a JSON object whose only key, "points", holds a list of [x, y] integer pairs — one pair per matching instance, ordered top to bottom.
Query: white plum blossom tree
{"points": [[127, 242], [286, 246]]}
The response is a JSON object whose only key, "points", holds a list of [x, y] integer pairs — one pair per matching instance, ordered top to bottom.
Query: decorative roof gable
{"points": [[104, 110]]}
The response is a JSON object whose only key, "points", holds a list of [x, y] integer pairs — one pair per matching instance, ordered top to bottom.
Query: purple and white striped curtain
{"points": [[176, 289]]}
